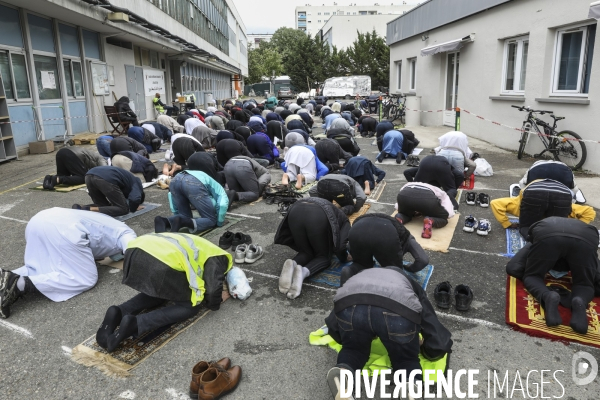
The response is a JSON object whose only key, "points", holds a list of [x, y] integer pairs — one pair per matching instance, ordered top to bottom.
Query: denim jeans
{"points": [[103, 146], [454, 157], [186, 190], [537, 205], [360, 324]]}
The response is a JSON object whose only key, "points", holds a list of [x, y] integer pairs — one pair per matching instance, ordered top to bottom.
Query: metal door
{"points": [[141, 93]]}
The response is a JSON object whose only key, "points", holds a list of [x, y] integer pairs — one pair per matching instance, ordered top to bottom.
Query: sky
{"points": [[268, 17]]}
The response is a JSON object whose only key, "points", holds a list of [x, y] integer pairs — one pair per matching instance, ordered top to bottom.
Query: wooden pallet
{"points": [[86, 138]]}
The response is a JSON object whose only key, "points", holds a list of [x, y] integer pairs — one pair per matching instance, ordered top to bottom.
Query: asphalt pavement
{"points": [[267, 334]]}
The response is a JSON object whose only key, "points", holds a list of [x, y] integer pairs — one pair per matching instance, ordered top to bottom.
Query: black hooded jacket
{"points": [[123, 108]]}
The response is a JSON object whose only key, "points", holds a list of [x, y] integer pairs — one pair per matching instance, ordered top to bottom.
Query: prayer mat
{"points": [[390, 161], [60, 188], [305, 188], [378, 191], [458, 195], [147, 208], [363, 210], [440, 238], [514, 240], [331, 275], [523, 313], [131, 352], [378, 359]]}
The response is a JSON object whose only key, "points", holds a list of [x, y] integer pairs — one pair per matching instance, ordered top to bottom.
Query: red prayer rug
{"points": [[524, 313]]}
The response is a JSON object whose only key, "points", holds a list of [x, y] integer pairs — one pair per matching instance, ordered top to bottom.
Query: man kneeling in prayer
{"points": [[62, 245], [558, 245], [182, 268], [384, 303]]}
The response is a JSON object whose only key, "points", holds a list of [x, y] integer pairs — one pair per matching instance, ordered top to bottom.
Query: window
{"points": [[318, 13], [326, 13], [319, 21], [573, 60], [515, 65], [46, 73], [413, 74], [399, 75], [15, 78], [73, 79]]}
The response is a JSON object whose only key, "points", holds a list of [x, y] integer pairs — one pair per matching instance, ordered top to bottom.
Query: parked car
{"points": [[285, 93]]}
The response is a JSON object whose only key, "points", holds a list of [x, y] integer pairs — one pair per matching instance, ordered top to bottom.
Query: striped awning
{"points": [[453, 45]]}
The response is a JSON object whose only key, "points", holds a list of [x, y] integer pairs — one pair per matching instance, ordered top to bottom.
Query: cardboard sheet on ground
{"points": [[60, 188], [377, 192], [147, 208], [440, 239], [331, 275], [523, 313], [133, 351], [378, 359]]}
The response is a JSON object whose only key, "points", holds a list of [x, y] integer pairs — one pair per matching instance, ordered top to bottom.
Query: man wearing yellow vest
{"points": [[161, 107], [181, 268]]}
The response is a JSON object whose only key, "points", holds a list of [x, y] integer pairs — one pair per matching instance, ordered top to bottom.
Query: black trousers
{"points": [[132, 120], [69, 168], [448, 183], [108, 197], [411, 200], [538, 204], [312, 236], [371, 240], [561, 253], [171, 314]]}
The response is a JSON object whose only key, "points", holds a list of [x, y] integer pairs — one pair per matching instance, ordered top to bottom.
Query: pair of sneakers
{"points": [[412, 161], [483, 199], [482, 226], [233, 240], [248, 253], [463, 296]]}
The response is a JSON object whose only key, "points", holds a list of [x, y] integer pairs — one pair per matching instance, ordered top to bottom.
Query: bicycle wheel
{"points": [[392, 113], [524, 139], [570, 149]]}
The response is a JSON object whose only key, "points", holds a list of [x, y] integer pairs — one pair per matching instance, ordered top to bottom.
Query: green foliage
{"points": [[309, 61]]}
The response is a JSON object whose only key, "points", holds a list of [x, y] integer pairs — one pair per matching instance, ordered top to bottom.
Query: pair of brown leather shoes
{"points": [[211, 380]]}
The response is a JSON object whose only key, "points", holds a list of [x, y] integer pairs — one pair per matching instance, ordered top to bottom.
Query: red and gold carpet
{"points": [[524, 313]]}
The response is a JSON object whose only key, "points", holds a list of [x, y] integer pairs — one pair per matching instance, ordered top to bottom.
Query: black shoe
{"points": [[380, 157], [399, 158], [53, 182], [46, 183], [470, 198], [483, 200], [240, 238], [225, 240], [9, 293], [441, 295], [463, 297]]}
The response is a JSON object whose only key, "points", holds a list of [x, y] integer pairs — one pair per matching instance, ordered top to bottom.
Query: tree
{"points": [[284, 41], [369, 55], [263, 62], [304, 63]]}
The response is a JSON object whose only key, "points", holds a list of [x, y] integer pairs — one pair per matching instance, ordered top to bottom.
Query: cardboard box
{"points": [[41, 147]]}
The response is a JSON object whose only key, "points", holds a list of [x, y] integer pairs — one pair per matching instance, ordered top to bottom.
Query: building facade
{"points": [[311, 19], [341, 31], [255, 39], [486, 55], [62, 61]]}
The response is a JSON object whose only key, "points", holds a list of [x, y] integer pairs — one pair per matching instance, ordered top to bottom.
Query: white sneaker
{"points": [[484, 227], [240, 253], [253, 253]]}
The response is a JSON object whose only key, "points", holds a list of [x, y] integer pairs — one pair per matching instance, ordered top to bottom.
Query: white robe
{"points": [[191, 123], [62, 246]]}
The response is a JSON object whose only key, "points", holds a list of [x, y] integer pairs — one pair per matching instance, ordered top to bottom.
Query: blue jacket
{"points": [[329, 119], [322, 169], [219, 198]]}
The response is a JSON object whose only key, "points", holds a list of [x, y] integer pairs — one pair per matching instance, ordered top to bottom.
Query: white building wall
{"points": [[341, 31], [480, 75]]}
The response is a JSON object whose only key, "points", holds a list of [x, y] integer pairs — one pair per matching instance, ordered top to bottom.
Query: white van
{"points": [[346, 86]]}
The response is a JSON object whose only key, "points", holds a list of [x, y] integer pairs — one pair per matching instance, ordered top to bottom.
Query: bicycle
{"points": [[394, 108], [565, 146]]}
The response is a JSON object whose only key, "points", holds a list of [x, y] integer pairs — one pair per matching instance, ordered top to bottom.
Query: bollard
{"points": [[457, 119]]}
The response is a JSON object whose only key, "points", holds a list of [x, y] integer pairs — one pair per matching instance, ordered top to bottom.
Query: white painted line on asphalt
{"points": [[377, 202], [243, 215], [13, 219], [478, 252], [276, 277], [471, 320], [16, 328], [67, 351], [128, 394]]}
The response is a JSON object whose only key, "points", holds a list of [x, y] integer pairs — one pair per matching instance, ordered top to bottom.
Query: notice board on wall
{"points": [[99, 79], [154, 82]]}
